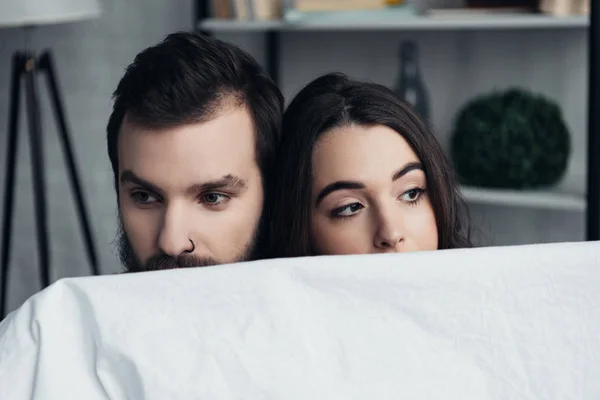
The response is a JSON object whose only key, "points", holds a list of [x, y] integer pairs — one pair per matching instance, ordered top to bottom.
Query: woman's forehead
{"points": [[356, 150]]}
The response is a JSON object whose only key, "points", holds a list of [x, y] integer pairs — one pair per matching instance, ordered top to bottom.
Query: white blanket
{"points": [[495, 323]]}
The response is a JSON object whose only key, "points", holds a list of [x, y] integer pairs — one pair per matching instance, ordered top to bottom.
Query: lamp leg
{"points": [[47, 64], [593, 161], [37, 169], [9, 184]]}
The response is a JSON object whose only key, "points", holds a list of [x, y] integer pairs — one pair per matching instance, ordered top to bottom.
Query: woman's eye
{"points": [[412, 195], [143, 197], [348, 210]]}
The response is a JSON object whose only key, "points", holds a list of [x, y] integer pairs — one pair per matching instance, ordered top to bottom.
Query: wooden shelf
{"points": [[421, 23], [540, 199]]}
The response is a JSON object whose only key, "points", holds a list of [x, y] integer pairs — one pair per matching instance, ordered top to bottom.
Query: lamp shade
{"points": [[15, 13]]}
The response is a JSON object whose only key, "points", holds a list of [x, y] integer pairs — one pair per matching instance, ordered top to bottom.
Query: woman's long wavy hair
{"points": [[334, 100]]}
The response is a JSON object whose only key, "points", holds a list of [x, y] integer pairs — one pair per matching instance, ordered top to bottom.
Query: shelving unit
{"points": [[425, 23], [538, 199], [585, 201]]}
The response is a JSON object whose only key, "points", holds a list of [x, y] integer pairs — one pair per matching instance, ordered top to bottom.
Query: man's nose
{"points": [[389, 234], [174, 237]]}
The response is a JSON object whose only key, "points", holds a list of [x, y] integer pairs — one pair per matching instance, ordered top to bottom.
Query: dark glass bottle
{"points": [[410, 85]]}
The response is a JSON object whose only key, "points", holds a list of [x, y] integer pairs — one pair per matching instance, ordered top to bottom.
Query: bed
{"points": [[517, 322]]}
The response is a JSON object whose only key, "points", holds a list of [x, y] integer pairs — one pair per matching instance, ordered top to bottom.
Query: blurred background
{"points": [[459, 62]]}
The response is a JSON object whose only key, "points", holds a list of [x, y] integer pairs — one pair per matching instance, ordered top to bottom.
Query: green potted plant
{"points": [[510, 139]]}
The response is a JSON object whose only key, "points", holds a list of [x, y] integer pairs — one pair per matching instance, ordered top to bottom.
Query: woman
{"points": [[359, 173]]}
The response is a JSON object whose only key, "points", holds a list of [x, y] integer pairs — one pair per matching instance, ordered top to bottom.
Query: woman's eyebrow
{"points": [[406, 169], [338, 185]]}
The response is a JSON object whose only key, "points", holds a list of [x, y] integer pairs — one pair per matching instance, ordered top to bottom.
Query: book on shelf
{"points": [[337, 5], [565, 7], [245, 10]]}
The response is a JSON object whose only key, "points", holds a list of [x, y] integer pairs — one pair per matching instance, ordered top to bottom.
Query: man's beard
{"points": [[132, 263]]}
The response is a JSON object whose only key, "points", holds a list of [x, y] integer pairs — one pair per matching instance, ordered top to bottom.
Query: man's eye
{"points": [[143, 197], [215, 198]]}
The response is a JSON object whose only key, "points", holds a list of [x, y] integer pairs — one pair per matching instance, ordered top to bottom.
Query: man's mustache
{"points": [[159, 261], [163, 261]]}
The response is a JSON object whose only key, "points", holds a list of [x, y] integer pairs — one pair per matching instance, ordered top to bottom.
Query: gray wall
{"points": [[91, 57]]}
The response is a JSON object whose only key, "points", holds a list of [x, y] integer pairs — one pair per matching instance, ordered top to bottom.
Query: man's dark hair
{"points": [[187, 78], [334, 100]]}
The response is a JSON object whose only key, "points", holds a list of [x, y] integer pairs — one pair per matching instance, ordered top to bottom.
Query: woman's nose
{"points": [[390, 232]]}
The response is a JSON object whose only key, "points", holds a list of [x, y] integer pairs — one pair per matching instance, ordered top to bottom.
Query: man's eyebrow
{"points": [[406, 169], [129, 176], [226, 182], [338, 185]]}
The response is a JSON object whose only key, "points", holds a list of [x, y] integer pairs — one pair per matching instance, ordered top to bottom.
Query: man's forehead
{"points": [[229, 118], [229, 135], [178, 157]]}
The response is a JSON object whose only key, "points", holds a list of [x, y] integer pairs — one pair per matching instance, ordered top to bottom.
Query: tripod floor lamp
{"points": [[25, 68]]}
